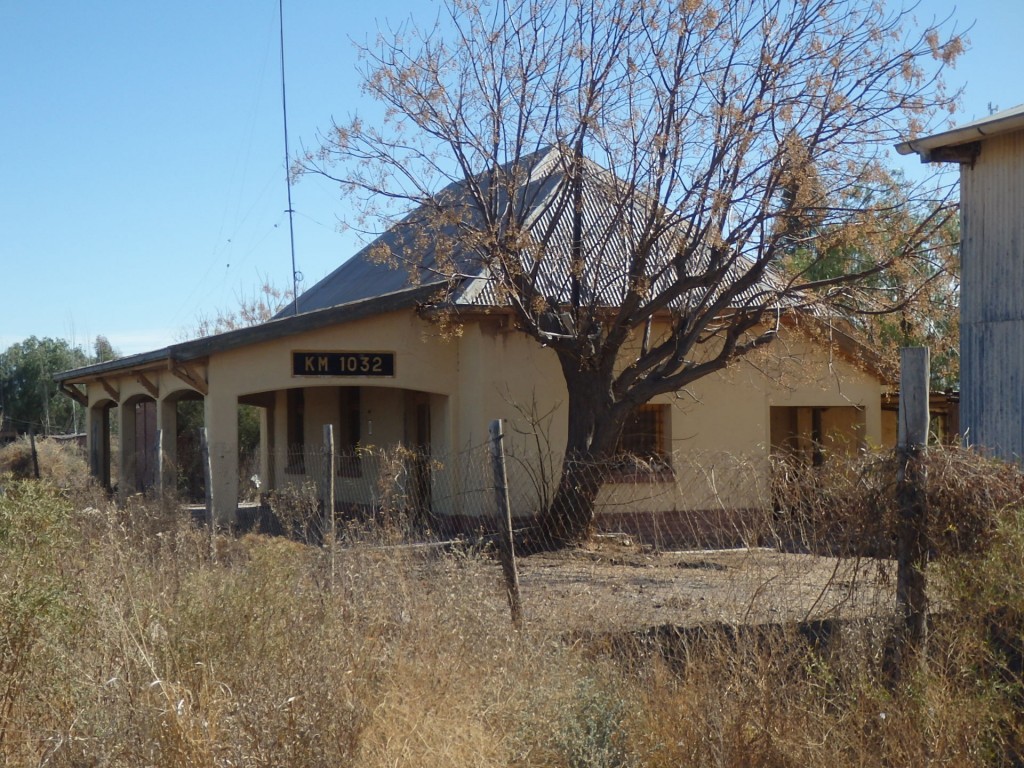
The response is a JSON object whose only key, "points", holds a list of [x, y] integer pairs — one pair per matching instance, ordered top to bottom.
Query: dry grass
{"points": [[60, 463], [127, 640]]}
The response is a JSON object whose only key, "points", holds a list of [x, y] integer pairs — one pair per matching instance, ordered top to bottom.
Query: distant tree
{"points": [[727, 130], [907, 302], [255, 308], [103, 351], [29, 398]]}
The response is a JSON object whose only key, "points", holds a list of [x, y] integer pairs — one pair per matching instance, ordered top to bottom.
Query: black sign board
{"points": [[343, 363]]}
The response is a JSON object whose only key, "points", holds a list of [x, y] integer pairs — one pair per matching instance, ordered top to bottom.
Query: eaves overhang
{"points": [[962, 144], [197, 349]]}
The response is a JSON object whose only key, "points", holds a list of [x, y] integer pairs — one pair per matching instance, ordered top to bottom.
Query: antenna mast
{"points": [[287, 168]]}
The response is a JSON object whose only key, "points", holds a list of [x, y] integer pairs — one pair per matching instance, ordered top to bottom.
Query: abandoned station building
{"points": [[365, 352]]}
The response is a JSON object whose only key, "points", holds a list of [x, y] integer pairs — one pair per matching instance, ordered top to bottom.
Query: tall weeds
{"points": [[126, 640]]}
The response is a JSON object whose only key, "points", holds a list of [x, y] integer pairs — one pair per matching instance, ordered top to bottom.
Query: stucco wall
{"points": [[719, 427], [718, 430]]}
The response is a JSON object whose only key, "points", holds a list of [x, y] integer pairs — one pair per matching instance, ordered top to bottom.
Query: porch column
{"points": [[221, 417], [167, 428], [98, 429], [279, 429], [267, 441], [127, 481]]}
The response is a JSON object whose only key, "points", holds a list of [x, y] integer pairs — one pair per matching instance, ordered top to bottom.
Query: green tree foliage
{"points": [[899, 303], [102, 350], [29, 398]]}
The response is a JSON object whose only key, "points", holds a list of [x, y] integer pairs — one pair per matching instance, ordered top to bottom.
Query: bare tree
{"points": [[629, 177], [259, 306]]}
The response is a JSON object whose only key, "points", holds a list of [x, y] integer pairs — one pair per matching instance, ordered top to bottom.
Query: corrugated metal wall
{"points": [[992, 297]]}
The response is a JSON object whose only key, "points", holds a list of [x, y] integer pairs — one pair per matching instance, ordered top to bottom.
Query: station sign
{"points": [[343, 364]]}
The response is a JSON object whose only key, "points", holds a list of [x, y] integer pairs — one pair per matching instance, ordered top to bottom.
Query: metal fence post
{"points": [[327, 492], [506, 547]]}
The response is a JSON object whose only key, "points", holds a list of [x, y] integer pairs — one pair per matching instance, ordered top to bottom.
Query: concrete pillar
{"points": [[221, 417], [873, 422], [98, 429], [167, 429], [267, 441], [128, 478]]}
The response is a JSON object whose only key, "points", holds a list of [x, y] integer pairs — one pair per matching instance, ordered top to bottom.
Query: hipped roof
{"points": [[426, 248], [367, 285]]}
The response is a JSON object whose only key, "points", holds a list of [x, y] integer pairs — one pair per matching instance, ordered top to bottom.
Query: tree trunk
{"points": [[595, 422], [569, 518]]}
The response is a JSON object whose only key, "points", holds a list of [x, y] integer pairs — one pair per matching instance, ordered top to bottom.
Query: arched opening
{"points": [[183, 418], [102, 425], [255, 444], [139, 450]]}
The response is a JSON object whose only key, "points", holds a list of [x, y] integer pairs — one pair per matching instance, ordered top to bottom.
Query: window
{"points": [[810, 434], [643, 447]]}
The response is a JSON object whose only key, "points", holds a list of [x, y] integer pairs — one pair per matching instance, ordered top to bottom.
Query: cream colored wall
{"points": [[421, 363], [490, 372], [505, 375], [719, 427]]}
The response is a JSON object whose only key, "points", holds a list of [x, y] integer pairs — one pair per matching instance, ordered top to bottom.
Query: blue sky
{"points": [[142, 159]]}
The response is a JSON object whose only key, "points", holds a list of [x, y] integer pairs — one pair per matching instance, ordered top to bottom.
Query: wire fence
{"points": [[682, 500], [684, 539]]}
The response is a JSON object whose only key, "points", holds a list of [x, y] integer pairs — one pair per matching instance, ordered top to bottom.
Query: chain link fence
{"points": [[681, 501]]}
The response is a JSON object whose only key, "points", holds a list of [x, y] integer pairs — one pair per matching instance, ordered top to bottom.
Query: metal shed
{"points": [[990, 153]]}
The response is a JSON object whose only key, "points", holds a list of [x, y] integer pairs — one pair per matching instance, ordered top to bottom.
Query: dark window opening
{"points": [[350, 434], [642, 450], [296, 464]]}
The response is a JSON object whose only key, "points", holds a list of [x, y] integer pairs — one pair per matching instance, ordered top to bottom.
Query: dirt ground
{"points": [[613, 584]]}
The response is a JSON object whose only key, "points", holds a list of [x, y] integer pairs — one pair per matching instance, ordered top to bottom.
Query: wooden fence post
{"points": [[35, 454], [912, 524], [506, 547]]}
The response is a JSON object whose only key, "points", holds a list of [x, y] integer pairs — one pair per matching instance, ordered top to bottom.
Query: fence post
{"points": [[204, 450], [35, 454], [327, 492], [912, 524], [506, 547]]}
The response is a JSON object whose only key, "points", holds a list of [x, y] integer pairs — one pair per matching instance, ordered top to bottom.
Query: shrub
{"points": [[62, 463], [851, 506], [128, 640]]}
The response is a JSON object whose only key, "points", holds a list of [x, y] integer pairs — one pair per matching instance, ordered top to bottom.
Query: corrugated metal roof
{"points": [[1001, 122], [420, 250], [410, 263], [273, 329]]}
